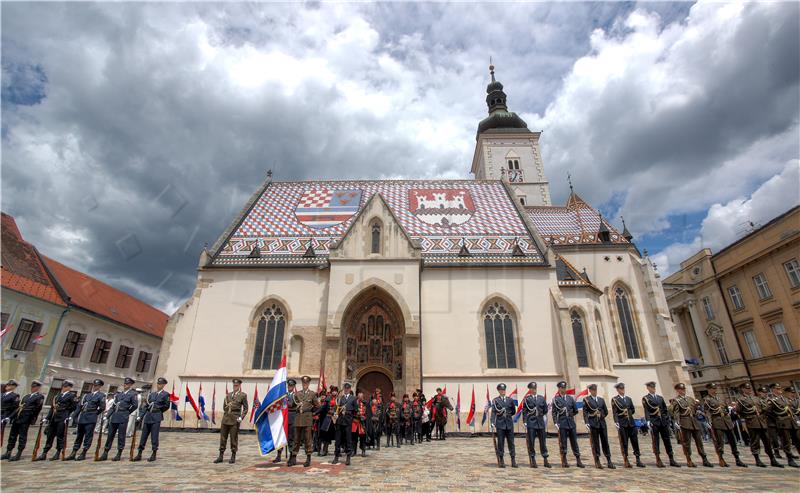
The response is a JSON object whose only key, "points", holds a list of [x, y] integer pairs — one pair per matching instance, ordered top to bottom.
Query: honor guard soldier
{"points": [[291, 384], [306, 402], [125, 403], [9, 404], [441, 404], [92, 407], [622, 409], [750, 409], [778, 409], [234, 410], [503, 411], [534, 411], [564, 411], [595, 412], [684, 413], [26, 414], [151, 415], [406, 416], [657, 416], [343, 417], [416, 418], [376, 419], [57, 420], [392, 421], [721, 425], [359, 428], [327, 429]]}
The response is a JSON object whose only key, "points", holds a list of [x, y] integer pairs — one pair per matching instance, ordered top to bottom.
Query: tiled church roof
{"points": [[440, 215], [576, 223], [568, 275]]}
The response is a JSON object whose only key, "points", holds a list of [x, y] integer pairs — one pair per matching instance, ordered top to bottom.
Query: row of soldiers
{"points": [[66, 408], [766, 413]]}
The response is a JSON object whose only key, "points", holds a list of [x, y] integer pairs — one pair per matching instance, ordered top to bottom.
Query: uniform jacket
{"points": [[125, 402], [306, 402], [441, 403], [9, 404], [92, 405], [347, 405], [62, 406], [30, 407], [154, 407], [234, 407], [292, 407], [622, 409], [750, 409], [778, 409], [534, 410], [655, 410], [405, 411], [503, 411], [564, 411], [392, 412], [595, 412], [684, 412], [325, 413], [717, 413]]}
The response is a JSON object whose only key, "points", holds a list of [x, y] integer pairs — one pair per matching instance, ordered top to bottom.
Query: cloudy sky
{"points": [[132, 134]]}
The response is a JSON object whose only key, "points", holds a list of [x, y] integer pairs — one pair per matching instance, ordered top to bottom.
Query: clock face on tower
{"points": [[515, 175]]}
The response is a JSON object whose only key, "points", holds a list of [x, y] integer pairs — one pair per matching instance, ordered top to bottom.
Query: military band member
{"points": [[291, 384], [305, 403], [9, 404], [441, 404], [92, 407], [750, 408], [234, 409], [622, 409], [503, 411], [534, 411], [564, 411], [779, 411], [595, 412], [684, 413], [26, 414], [406, 414], [151, 415], [343, 417], [360, 419], [376, 419], [57, 420], [392, 421], [658, 421], [721, 425], [327, 428]]}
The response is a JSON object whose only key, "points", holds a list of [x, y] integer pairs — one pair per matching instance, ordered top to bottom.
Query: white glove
{"points": [[138, 418], [239, 419], [6, 421], [69, 421], [45, 422], [617, 425], [677, 425], [587, 426], [649, 426], [558, 427]]}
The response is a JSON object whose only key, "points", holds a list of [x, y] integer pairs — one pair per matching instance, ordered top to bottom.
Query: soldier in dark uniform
{"points": [[291, 384], [125, 403], [305, 403], [441, 404], [8, 405], [794, 405], [92, 406], [750, 408], [622, 409], [234, 410], [503, 411], [534, 411], [564, 411], [779, 411], [595, 412], [684, 413], [716, 413], [26, 414], [406, 414], [151, 415], [657, 416], [343, 417], [416, 418], [360, 419], [376, 419], [57, 420], [392, 422], [327, 429], [772, 433]]}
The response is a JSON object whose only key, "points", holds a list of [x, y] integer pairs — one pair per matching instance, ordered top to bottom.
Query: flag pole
{"points": [[184, 407], [171, 417], [197, 422]]}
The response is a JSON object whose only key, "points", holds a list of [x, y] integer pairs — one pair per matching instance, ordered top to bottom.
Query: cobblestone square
{"points": [[456, 464]]}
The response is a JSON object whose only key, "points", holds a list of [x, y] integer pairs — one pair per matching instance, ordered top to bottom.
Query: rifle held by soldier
{"points": [[38, 440]]}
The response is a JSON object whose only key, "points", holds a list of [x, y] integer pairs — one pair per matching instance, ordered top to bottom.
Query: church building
{"points": [[406, 284]]}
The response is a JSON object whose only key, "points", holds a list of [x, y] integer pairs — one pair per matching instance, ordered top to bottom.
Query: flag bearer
{"points": [[234, 410], [151, 415]]}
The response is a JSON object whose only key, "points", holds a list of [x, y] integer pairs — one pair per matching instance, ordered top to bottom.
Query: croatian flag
{"points": [[578, 398], [174, 399], [202, 400], [191, 401], [486, 406], [519, 407], [458, 409], [272, 417]]}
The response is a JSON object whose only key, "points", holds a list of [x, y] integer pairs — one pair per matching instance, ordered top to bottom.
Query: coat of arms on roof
{"points": [[441, 207], [322, 208]]}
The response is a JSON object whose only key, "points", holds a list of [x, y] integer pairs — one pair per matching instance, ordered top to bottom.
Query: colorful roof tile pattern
{"points": [[440, 215], [576, 223], [22, 271]]}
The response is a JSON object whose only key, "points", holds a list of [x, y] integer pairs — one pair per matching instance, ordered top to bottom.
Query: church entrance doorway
{"points": [[375, 380]]}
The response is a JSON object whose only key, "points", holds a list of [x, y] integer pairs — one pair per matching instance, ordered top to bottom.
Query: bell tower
{"points": [[507, 150]]}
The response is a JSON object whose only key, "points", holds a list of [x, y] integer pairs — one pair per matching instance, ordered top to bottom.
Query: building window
{"points": [[522, 200], [376, 238], [793, 271], [762, 286], [736, 297], [707, 307], [3, 320], [627, 325], [498, 326], [25, 337], [269, 338], [580, 339], [752, 343], [784, 344], [73, 345], [101, 350], [723, 355], [124, 357], [143, 363], [85, 388], [55, 389]]}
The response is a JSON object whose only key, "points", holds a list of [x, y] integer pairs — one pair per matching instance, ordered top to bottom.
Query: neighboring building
{"points": [[411, 284], [738, 310], [92, 330]]}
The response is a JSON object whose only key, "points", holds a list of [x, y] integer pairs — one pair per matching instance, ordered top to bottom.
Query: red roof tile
{"points": [[98, 297]]}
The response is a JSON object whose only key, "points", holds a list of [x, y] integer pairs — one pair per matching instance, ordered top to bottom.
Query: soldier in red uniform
{"points": [[439, 409], [392, 422], [360, 423]]}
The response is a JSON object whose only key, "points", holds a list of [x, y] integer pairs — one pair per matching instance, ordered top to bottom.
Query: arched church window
{"points": [[510, 164], [516, 164], [376, 238], [626, 324], [498, 326], [269, 338], [580, 339]]}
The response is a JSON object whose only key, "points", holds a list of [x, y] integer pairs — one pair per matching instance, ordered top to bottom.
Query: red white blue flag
{"points": [[191, 401], [486, 406], [272, 417]]}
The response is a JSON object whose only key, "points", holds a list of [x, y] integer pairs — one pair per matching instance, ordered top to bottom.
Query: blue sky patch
{"points": [[23, 84]]}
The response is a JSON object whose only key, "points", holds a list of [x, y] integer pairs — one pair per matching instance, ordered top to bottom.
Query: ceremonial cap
{"points": [[129, 380], [162, 380], [97, 381], [532, 385], [561, 385], [620, 385], [501, 386], [680, 386]]}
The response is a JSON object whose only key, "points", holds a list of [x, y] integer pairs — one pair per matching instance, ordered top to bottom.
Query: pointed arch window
{"points": [[376, 237], [626, 324], [498, 326], [269, 338], [580, 339]]}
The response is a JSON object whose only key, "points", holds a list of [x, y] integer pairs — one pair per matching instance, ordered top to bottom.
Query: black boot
{"points": [[325, 449], [363, 453], [57, 455], [72, 455], [82, 455], [6, 456], [42, 456], [104, 456], [118, 456], [138, 456], [16, 457], [152, 457], [278, 457], [219, 458], [335, 459], [232, 460], [292, 460], [347, 460], [758, 461], [514, 462], [564, 462], [578, 462], [639, 462], [672, 462], [739, 462], [774, 462], [307, 463], [502, 463], [533, 463], [706, 463], [792, 463], [546, 464], [610, 464]]}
